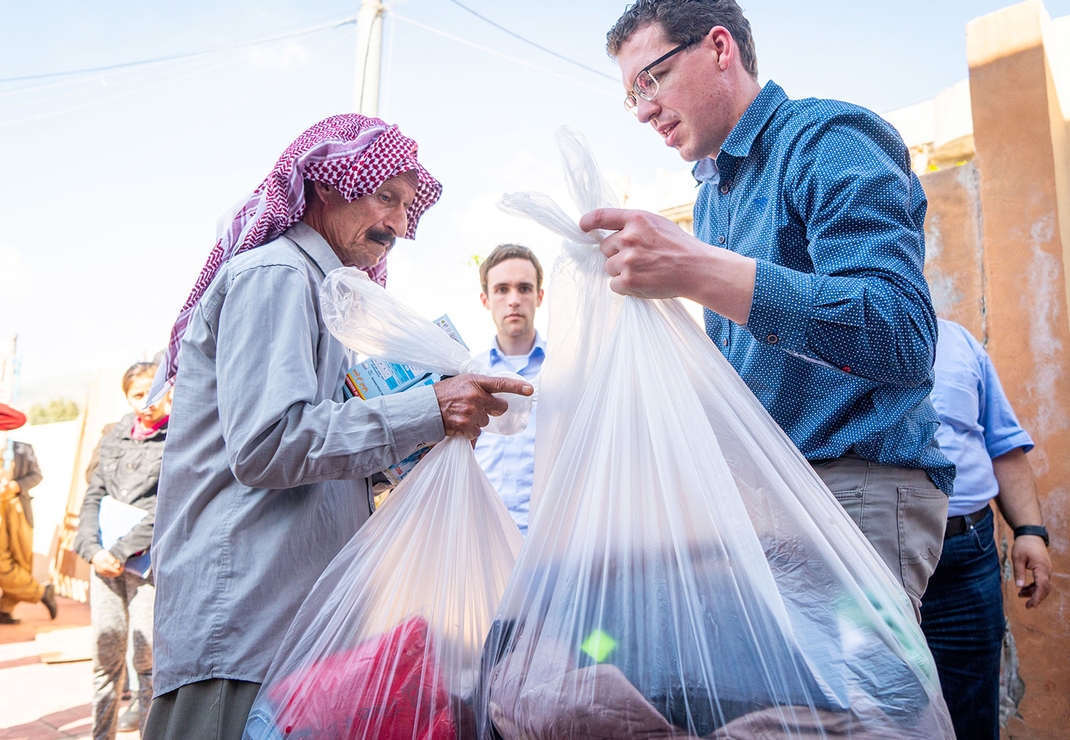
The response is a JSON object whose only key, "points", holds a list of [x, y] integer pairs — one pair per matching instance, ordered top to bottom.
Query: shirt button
{"points": [[725, 189], [720, 240], [772, 339], [724, 342], [123, 492]]}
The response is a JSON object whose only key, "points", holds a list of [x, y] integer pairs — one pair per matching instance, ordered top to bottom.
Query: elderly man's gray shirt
{"points": [[264, 475]]}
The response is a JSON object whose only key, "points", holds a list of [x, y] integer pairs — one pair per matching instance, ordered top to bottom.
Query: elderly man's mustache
{"points": [[386, 238]]}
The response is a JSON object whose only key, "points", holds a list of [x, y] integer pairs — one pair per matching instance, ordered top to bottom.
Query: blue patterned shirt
{"points": [[841, 335]]}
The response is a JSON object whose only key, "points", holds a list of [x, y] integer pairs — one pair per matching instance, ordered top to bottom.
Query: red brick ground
{"points": [[42, 701]]}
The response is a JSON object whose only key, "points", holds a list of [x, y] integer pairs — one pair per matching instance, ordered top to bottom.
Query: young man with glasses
{"points": [[807, 255]]}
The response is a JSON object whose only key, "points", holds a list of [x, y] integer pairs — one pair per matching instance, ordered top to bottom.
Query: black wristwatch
{"points": [[1034, 529]]}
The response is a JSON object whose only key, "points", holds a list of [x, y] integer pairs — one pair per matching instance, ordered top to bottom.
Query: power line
{"points": [[329, 25], [532, 43], [493, 52], [190, 55], [115, 96]]}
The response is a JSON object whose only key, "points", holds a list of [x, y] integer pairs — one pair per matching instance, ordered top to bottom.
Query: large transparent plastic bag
{"points": [[686, 573], [388, 644]]}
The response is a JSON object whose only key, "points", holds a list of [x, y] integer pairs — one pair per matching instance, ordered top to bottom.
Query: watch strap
{"points": [[1033, 529]]}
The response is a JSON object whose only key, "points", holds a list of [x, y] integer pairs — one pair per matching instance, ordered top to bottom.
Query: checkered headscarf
{"points": [[350, 152]]}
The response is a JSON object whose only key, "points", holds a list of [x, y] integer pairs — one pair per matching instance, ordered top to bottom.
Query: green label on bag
{"points": [[598, 645]]}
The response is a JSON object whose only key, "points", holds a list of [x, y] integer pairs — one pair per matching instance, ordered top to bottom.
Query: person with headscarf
{"points": [[19, 473], [266, 473]]}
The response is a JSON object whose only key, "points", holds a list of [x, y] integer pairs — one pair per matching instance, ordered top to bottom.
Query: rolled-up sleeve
{"points": [[865, 308]]}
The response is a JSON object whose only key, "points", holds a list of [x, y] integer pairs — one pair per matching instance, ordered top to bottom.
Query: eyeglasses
{"points": [[645, 85]]}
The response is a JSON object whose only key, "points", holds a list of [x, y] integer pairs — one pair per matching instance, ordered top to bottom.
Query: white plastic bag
{"points": [[367, 319], [686, 573], [387, 645]]}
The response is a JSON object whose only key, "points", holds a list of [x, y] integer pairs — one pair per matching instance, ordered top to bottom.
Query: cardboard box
{"points": [[373, 378]]}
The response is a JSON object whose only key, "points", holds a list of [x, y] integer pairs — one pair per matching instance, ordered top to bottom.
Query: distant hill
{"points": [[73, 387]]}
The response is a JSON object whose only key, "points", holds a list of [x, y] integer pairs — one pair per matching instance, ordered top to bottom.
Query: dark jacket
{"points": [[129, 471], [26, 473]]}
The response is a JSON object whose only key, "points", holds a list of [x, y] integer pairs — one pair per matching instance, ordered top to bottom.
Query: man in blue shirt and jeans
{"points": [[808, 255], [511, 279], [962, 616]]}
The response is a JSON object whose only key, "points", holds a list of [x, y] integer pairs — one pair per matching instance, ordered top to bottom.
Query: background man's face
{"points": [[362, 231], [512, 297]]}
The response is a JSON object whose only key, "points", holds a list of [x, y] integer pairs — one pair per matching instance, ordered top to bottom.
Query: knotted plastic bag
{"points": [[367, 319], [686, 573], [387, 646]]}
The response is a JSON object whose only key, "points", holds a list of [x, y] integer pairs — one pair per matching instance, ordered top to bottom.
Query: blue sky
{"points": [[114, 180]]}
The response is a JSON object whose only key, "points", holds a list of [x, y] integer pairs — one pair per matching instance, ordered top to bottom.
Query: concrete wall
{"points": [[998, 238], [953, 246]]}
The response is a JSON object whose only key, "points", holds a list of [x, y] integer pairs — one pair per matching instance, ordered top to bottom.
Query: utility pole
{"points": [[369, 51]]}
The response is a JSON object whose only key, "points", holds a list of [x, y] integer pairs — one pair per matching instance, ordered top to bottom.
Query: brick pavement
{"points": [[46, 701]]}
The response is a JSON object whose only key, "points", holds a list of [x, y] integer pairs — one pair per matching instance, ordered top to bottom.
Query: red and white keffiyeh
{"points": [[350, 152]]}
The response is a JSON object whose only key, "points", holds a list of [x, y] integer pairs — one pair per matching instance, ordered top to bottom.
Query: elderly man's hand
{"points": [[466, 402]]}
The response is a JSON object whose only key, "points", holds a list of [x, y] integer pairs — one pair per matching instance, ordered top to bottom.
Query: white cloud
{"points": [[18, 280], [109, 312]]}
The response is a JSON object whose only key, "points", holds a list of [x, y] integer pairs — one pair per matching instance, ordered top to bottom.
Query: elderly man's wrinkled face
{"points": [[362, 231]]}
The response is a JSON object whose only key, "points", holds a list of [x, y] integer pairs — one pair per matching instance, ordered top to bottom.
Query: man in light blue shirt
{"points": [[511, 278], [962, 615]]}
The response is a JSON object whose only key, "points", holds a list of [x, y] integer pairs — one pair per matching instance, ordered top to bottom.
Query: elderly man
{"points": [[807, 255], [18, 474], [265, 476]]}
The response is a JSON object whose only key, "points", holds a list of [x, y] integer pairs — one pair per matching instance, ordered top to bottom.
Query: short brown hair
{"points": [[685, 20], [504, 252], [138, 370]]}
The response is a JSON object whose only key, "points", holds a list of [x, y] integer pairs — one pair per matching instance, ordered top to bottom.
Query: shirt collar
{"points": [[758, 113], [745, 131], [705, 170], [314, 245], [537, 349]]}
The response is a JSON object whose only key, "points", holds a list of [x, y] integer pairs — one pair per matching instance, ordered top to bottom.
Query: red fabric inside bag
{"points": [[387, 688]]}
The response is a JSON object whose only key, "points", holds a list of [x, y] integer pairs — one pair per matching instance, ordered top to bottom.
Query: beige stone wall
{"points": [[998, 236], [953, 246]]}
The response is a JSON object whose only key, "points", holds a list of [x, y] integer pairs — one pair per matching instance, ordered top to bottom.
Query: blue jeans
{"points": [[962, 618]]}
